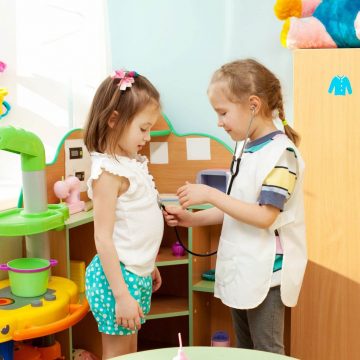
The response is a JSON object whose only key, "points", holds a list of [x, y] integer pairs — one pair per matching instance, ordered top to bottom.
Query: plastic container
{"points": [[28, 276], [220, 338]]}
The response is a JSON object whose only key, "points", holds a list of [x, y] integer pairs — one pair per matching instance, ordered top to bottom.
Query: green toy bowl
{"points": [[28, 276]]}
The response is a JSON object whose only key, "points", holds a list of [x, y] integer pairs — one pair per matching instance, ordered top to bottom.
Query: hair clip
{"points": [[126, 78]]}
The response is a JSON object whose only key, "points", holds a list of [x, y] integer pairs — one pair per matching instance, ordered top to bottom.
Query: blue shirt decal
{"points": [[340, 84]]}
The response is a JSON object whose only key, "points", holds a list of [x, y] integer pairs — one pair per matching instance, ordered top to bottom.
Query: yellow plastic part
{"points": [[284, 33], [3, 93], [77, 271], [29, 322]]}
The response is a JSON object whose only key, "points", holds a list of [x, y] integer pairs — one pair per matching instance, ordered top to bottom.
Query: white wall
{"points": [[178, 45], [57, 54]]}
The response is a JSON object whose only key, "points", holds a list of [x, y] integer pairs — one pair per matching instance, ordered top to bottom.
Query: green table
{"points": [[204, 353]]}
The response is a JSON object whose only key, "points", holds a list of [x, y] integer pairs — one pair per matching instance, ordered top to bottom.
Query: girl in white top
{"points": [[128, 222], [262, 250]]}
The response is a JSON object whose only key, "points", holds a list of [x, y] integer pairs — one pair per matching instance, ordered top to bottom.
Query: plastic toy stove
{"points": [[26, 318]]}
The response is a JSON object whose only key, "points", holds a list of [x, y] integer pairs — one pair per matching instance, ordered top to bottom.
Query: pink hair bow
{"points": [[126, 78]]}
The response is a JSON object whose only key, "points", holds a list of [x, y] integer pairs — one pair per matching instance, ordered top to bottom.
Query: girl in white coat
{"points": [[262, 250]]}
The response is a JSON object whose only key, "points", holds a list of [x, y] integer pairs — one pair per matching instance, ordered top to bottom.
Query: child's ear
{"points": [[254, 103], [113, 118]]}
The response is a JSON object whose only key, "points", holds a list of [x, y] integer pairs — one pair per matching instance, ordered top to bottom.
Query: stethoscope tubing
{"points": [[235, 161]]}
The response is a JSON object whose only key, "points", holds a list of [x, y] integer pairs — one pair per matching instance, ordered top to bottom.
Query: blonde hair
{"points": [[248, 77], [98, 135]]}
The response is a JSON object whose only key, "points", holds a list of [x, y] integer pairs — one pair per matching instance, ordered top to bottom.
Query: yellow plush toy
{"points": [[319, 23]]}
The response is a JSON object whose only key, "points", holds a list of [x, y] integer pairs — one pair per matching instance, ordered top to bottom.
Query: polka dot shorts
{"points": [[102, 301]]}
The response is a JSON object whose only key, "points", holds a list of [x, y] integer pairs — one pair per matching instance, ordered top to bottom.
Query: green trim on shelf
{"points": [[157, 133], [195, 134], [62, 141], [78, 219], [172, 262], [204, 286], [167, 315]]}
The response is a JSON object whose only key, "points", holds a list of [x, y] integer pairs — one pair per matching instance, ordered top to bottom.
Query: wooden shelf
{"points": [[79, 218], [166, 258], [204, 286], [168, 306]]}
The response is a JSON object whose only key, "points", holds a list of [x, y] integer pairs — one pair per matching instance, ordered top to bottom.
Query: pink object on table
{"points": [[69, 189], [180, 355]]}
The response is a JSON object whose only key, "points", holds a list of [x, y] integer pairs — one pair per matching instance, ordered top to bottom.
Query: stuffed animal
{"points": [[319, 23], [81, 354]]}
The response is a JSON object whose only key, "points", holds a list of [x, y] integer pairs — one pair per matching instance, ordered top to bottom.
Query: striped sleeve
{"points": [[279, 184]]}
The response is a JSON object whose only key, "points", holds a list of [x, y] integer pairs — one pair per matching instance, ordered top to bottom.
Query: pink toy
{"points": [[2, 66], [69, 189], [177, 250], [80, 354], [180, 355]]}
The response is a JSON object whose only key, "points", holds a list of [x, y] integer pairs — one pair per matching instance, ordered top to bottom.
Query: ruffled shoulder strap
{"points": [[120, 166]]}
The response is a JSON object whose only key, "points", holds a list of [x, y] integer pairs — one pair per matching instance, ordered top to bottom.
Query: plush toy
{"points": [[319, 23], [81, 354]]}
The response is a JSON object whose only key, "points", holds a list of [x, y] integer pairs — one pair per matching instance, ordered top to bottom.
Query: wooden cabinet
{"points": [[325, 323]]}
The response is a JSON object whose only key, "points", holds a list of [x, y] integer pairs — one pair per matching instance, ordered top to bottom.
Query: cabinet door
{"points": [[209, 314], [325, 322]]}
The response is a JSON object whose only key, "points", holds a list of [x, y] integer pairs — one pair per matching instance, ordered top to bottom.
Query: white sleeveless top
{"points": [[139, 223]]}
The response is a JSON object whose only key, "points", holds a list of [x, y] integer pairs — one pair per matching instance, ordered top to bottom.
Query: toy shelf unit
{"points": [[33, 305]]}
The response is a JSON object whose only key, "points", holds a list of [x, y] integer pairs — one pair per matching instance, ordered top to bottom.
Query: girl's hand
{"points": [[193, 194], [176, 216], [156, 279], [128, 312]]}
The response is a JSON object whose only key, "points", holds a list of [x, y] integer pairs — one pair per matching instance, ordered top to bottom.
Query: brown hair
{"points": [[249, 77], [98, 135]]}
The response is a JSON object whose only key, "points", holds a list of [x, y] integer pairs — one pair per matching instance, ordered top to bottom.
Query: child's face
{"points": [[232, 117], [138, 132]]}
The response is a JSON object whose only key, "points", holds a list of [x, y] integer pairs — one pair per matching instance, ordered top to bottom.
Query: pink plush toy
{"points": [[319, 23], [69, 189], [80, 354]]}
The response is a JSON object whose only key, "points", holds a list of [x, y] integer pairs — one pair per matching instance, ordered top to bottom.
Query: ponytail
{"points": [[289, 131]]}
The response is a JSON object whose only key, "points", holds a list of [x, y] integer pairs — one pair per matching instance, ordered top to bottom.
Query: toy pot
{"points": [[28, 276]]}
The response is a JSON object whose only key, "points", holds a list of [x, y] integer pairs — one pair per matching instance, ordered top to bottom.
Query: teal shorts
{"points": [[102, 301]]}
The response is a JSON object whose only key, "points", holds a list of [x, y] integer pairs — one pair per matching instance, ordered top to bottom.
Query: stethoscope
{"points": [[234, 171]]}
